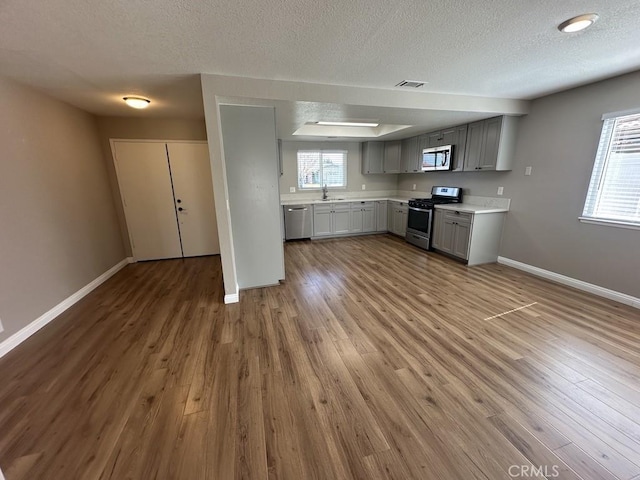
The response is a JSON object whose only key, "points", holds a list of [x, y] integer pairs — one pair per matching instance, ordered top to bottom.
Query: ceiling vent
{"points": [[410, 84]]}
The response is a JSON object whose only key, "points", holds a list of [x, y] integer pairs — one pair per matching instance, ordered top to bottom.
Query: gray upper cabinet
{"points": [[456, 136], [433, 139], [491, 144], [392, 151], [473, 151], [409, 156], [373, 157]]}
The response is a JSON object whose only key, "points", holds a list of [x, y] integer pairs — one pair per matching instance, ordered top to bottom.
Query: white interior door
{"points": [[193, 189], [147, 196]]}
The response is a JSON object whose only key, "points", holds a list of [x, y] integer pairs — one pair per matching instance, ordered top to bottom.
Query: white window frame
{"points": [[321, 151], [589, 214]]}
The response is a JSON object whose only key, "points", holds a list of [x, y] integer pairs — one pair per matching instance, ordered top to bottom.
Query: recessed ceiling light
{"points": [[578, 23], [137, 102], [348, 124]]}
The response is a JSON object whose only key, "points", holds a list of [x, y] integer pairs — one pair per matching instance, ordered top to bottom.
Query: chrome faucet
{"points": [[325, 193]]}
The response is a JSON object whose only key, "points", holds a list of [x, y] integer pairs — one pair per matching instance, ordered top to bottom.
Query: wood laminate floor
{"points": [[374, 360]]}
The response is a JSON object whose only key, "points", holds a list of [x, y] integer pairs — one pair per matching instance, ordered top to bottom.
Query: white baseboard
{"points": [[572, 282], [233, 298], [20, 336]]}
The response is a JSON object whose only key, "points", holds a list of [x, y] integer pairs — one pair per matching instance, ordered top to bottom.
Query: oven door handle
{"points": [[419, 209]]}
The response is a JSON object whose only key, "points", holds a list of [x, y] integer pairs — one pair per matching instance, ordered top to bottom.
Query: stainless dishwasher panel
{"points": [[298, 221]]}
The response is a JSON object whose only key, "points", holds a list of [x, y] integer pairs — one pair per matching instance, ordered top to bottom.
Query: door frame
{"points": [[112, 142]]}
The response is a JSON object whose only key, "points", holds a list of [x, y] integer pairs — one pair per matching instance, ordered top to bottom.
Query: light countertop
{"points": [[341, 200], [469, 208]]}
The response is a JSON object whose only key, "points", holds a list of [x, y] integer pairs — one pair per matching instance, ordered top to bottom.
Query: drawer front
{"points": [[359, 205], [341, 207], [324, 208], [460, 217]]}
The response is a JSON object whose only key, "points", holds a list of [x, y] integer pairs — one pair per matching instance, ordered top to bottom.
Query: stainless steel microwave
{"points": [[437, 158]]}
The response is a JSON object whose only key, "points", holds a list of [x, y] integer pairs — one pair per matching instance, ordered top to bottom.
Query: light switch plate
{"points": [[527, 171], [364, 187], [413, 187], [292, 189], [500, 190], [1, 327]]}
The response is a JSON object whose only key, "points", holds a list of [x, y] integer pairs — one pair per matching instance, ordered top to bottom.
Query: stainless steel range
{"points": [[420, 220]]}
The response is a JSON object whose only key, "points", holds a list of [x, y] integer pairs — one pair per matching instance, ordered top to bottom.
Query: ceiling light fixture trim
{"points": [[579, 23], [137, 102], [348, 124]]}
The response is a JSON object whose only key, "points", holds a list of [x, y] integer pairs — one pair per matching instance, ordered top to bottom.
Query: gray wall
{"points": [[141, 129], [559, 140], [250, 152], [355, 179], [59, 225]]}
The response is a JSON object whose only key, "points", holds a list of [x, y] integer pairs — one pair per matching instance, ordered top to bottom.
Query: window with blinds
{"points": [[317, 168], [614, 190]]}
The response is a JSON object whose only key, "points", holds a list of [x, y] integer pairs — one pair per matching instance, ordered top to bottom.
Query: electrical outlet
{"points": [[527, 171], [364, 187], [413, 187], [292, 189], [500, 190], [1, 327]]}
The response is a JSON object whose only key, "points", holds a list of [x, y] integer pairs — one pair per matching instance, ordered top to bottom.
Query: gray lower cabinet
{"points": [[491, 144], [363, 217], [344, 218], [397, 218], [331, 219], [341, 219], [322, 220], [382, 220], [452, 231], [474, 238], [437, 240]]}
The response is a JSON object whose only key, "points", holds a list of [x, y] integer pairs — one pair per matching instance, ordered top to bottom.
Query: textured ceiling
{"points": [[90, 53]]}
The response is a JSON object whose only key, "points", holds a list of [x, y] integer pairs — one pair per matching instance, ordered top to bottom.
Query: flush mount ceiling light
{"points": [[578, 23], [137, 102], [348, 124]]}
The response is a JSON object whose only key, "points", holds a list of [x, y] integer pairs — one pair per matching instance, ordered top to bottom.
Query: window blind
{"points": [[317, 168], [614, 190]]}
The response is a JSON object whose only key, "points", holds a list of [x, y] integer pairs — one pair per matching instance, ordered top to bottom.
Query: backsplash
{"points": [[338, 194], [470, 199]]}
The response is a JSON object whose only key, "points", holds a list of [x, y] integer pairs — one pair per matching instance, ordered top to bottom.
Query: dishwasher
{"points": [[298, 221]]}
